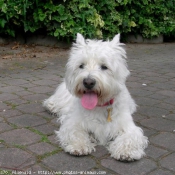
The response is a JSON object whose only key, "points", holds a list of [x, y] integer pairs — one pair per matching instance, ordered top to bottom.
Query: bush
{"points": [[100, 18]]}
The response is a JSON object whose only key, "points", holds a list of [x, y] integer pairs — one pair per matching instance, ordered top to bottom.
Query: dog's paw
{"points": [[49, 106], [51, 113], [79, 150], [128, 151], [79, 153], [128, 157], [124, 158]]}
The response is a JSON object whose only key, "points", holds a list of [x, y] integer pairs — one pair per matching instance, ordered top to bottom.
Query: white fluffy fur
{"points": [[81, 129]]}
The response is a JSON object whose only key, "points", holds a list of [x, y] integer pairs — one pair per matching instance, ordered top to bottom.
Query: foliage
{"points": [[154, 17], [100, 18]]}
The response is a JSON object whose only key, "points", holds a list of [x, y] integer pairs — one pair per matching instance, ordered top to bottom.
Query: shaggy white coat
{"points": [[81, 129]]}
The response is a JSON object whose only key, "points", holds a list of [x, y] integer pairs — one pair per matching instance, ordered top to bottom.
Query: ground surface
{"points": [[30, 74]]}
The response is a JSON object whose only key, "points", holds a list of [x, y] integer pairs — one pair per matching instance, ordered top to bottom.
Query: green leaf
{"points": [[4, 8], [61, 10], [42, 15], [62, 18], [2, 23], [132, 24], [11, 32], [56, 33]]}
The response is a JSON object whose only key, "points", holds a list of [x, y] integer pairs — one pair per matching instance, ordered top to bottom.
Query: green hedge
{"points": [[99, 18]]}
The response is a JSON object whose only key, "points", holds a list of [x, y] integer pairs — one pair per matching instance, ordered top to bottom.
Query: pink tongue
{"points": [[89, 100]]}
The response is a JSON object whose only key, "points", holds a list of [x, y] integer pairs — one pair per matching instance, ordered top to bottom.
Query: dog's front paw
{"points": [[50, 106], [128, 149], [79, 150], [130, 154], [128, 157]]}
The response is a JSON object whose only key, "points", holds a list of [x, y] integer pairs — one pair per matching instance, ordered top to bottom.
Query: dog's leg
{"points": [[59, 102], [74, 139], [130, 142]]}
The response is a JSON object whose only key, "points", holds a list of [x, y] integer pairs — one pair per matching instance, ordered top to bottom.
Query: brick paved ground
{"points": [[27, 140]]}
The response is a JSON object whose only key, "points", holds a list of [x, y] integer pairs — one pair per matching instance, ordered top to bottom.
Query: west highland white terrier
{"points": [[93, 103]]}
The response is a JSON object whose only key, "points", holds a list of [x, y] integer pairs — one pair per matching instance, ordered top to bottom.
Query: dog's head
{"points": [[96, 70]]}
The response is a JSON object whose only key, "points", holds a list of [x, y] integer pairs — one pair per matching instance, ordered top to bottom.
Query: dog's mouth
{"points": [[89, 100]]}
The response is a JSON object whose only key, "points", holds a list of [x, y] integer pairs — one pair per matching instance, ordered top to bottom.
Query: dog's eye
{"points": [[81, 66], [103, 67]]}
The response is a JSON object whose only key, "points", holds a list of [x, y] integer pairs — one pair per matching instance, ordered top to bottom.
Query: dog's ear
{"points": [[80, 39], [116, 39]]}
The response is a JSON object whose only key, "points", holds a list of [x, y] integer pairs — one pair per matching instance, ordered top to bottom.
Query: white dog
{"points": [[93, 102]]}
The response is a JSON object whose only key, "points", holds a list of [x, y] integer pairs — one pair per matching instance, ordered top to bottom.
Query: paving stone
{"points": [[151, 74], [171, 74], [21, 76], [53, 77], [132, 78], [32, 79], [156, 79], [16, 81], [45, 82], [2, 83], [28, 85], [134, 85], [163, 86], [148, 87], [10, 89], [41, 89], [140, 92], [23, 93], [167, 93], [8, 96], [158, 96], [36, 97], [170, 100], [18, 101], [146, 101], [166, 106], [3, 107], [31, 108], [152, 111], [10, 113], [47, 115], [170, 116], [138, 117], [1, 119], [27, 120], [55, 122], [160, 124], [4, 127], [46, 129], [20, 137], [53, 139], [164, 139], [1, 145], [41, 148], [100, 151], [155, 152], [14, 158], [65, 162], [168, 162], [141, 167], [37, 169], [100, 171], [161, 172]]}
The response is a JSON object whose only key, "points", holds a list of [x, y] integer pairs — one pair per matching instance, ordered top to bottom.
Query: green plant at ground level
{"points": [[100, 18]]}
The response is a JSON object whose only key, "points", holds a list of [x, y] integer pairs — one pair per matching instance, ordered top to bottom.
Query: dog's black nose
{"points": [[89, 83]]}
